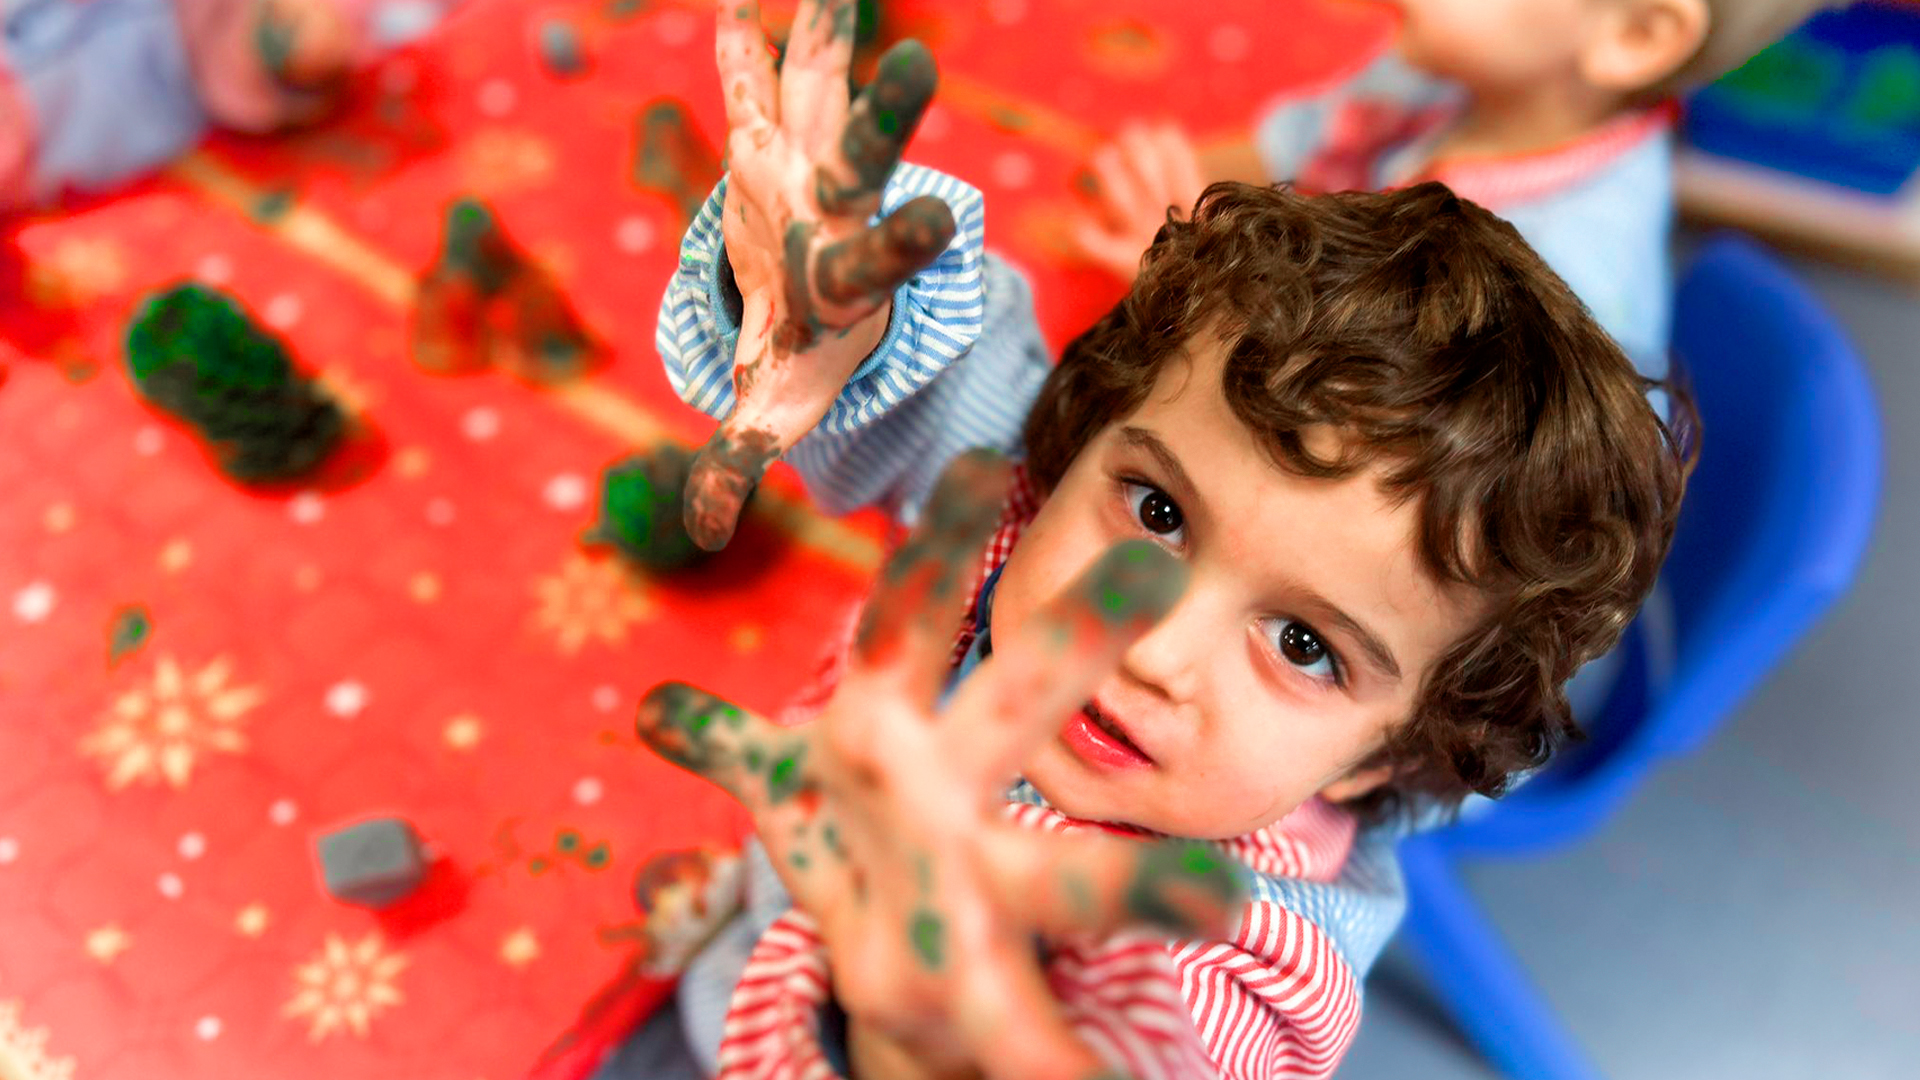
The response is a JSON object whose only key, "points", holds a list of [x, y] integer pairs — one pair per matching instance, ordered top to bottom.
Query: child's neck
{"points": [[1505, 123]]}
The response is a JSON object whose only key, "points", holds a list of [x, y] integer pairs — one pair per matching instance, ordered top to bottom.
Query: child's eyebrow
{"points": [[1177, 478], [1325, 610], [1376, 650]]}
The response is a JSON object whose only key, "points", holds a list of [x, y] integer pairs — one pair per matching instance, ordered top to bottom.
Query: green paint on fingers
{"points": [[1133, 580], [785, 776], [1185, 887], [928, 935]]}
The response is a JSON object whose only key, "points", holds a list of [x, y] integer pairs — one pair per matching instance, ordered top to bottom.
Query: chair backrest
{"points": [[1779, 511], [1776, 521]]}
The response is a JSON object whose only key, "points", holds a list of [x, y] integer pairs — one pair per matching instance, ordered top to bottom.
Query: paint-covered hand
{"points": [[805, 173], [1133, 182], [884, 815]]}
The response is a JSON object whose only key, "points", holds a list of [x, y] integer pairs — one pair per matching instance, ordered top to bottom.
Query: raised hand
{"points": [[805, 175], [1134, 181], [883, 815]]}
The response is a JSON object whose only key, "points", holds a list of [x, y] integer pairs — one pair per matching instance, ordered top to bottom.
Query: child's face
{"points": [[1499, 45], [1301, 642]]}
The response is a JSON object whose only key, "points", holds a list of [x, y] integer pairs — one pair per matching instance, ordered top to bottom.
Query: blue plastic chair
{"points": [[1775, 524]]}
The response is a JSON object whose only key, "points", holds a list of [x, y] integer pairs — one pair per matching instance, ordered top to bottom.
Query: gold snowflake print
{"points": [[498, 160], [79, 271], [354, 394], [589, 599], [157, 730], [345, 986], [23, 1050]]}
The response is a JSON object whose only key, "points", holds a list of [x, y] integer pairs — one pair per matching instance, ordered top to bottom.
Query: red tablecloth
{"points": [[432, 641]]}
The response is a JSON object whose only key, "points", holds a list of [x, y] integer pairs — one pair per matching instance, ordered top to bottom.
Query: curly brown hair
{"points": [[1429, 333]]}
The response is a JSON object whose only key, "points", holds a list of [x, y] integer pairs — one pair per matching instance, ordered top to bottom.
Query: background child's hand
{"points": [[263, 65], [805, 175], [1134, 181], [884, 816]]}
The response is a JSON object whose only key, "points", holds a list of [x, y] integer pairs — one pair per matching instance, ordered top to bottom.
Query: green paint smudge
{"points": [[273, 205], [127, 632], [1168, 869], [929, 937]]}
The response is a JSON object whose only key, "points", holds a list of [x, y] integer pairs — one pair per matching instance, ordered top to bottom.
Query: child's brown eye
{"points": [[1155, 510], [1300, 645]]}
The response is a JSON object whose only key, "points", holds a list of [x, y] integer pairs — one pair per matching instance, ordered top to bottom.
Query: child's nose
{"points": [[1170, 658]]}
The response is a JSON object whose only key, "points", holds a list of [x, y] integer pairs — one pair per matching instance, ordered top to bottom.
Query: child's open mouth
{"points": [[1098, 739]]}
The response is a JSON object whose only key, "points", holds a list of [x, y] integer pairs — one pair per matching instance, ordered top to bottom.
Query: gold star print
{"points": [[498, 160], [79, 271], [355, 395], [59, 517], [307, 578], [424, 587], [589, 599], [746, 638], [156, 731], [463, 732], [252, 920], [108, 942], [519, 948], [344, 987], [23, 1049]]}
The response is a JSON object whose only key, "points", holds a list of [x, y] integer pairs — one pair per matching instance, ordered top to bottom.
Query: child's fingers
{"points": [[746, 69], [813, 76], [878, 126], [1141, 155], [1163, 164], [1182, 164], [1121, 196], [1117, 252], [866, 268], [723, 475], [906, 632], [1052, 663], [759, 763], [766, 768], [1080, 884], [1010, 1020]]}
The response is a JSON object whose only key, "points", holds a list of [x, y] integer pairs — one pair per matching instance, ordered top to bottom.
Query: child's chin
{"points": [[1076, 790]]}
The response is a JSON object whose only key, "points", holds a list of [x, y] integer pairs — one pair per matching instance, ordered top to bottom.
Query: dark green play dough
{"points": [[195, 353], [641, 512]]}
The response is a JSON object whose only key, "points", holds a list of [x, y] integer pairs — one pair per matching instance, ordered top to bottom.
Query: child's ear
{"points": [[1644, 42], [1357, 783]]}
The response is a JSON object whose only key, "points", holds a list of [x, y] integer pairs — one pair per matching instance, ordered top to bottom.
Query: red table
{"points": [[432, 641]]}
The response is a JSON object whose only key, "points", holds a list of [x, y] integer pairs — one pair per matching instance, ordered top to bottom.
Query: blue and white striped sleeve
{"points": [[959, 366]]}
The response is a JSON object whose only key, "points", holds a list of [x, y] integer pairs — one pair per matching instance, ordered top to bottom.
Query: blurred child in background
{"points": [[94, 93], [1558, 115]]}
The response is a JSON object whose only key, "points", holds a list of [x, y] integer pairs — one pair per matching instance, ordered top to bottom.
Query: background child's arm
{"points": [[16, 142], [1150, 169], [961, 359]]}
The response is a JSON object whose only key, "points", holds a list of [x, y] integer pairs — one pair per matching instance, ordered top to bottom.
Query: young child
{"points": [[95, 92], [1557, 115], [1410, 483]]}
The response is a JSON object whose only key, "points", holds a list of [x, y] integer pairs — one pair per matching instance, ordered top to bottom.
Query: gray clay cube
{"points": [[372, 863]]}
